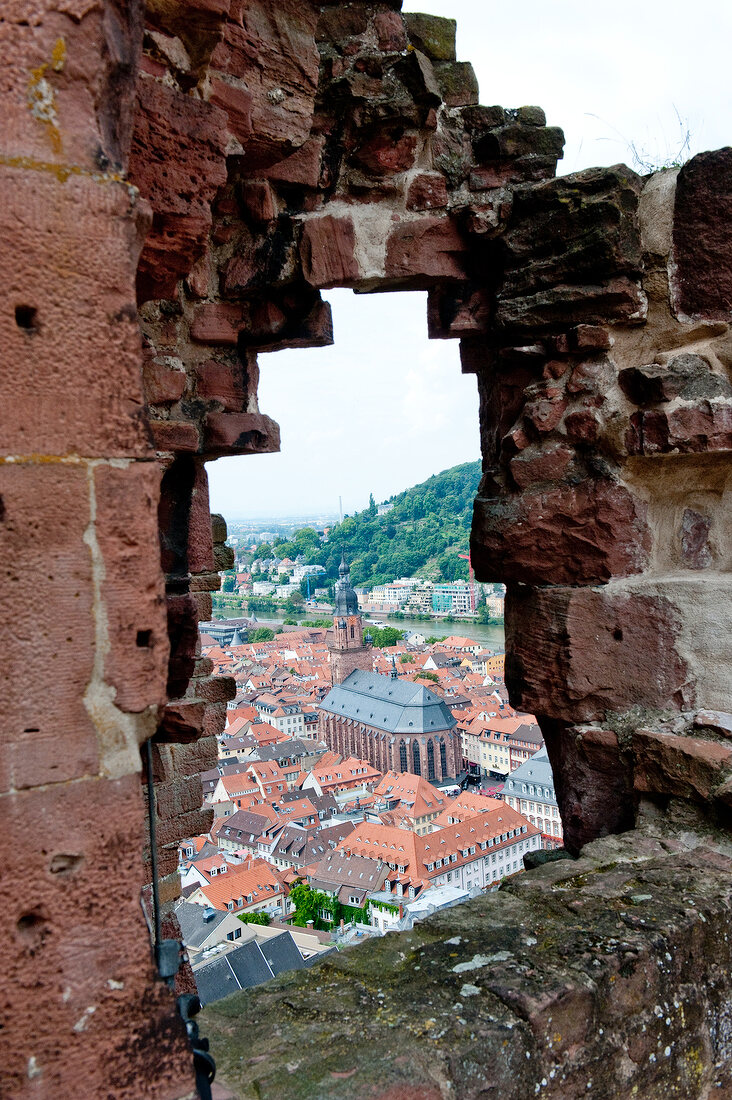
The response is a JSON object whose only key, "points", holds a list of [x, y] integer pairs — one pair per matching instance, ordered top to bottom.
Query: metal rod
{"points": [[153, 842]]}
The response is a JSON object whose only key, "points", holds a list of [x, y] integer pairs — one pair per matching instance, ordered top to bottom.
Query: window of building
{"points": [[402, 756], [416, 762]]}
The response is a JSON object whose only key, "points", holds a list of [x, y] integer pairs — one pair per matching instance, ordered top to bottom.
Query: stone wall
{"points": [[181, 184]]}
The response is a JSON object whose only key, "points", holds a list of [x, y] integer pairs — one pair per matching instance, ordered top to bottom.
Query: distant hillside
{"points": [[420, 536]]}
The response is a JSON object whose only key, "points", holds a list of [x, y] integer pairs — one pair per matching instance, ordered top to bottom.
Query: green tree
{"points": [[227, 585], [263, 634], [383, 636], [426, 674], [255, 918]]}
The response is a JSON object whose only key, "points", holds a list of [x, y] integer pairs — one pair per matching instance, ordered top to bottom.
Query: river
{"points": [[490, 635]]}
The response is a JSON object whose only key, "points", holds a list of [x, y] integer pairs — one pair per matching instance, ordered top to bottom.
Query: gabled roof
{"points": [[395, 706]]}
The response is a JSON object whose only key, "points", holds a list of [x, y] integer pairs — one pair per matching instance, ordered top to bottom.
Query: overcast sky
{"points": [[384, 407]]}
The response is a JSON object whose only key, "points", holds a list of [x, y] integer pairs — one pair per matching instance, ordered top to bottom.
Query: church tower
{"points": [[346, 649]]}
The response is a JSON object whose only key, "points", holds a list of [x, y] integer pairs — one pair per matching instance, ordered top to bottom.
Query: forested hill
{"points": [[421, 536]]}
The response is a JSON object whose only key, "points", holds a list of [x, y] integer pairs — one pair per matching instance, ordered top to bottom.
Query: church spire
{"points": [[346, 600]]}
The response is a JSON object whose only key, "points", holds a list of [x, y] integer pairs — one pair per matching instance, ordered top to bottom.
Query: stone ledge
{"points": [[607, 977]]}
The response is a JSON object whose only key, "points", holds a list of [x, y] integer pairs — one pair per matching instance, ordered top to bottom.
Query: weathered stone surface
{"points": [[432, 34], [271, 49], [457, 82], [236, 103], [387, 152], [177, 161], [302, 167], [427, 191], [577, 229], [328, 248], [424, 250], [701, 281], [620, 300], [457, 310], [219, 322], [686, 376], [223, 382], [164, 384], [59, 397], [683, 429], [240, 433], [538, 464], [45, 512], [126, 525], [573, 534], [695, 549], [577, 653], [718, 721], [687, 767], [593, 780], [71, 972], [552, 982]]}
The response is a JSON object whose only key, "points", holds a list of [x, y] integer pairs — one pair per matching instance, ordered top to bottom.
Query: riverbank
{"points": [[490, 635]]}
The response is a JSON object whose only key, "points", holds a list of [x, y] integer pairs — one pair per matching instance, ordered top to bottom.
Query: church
{"points": [[396, 725]]}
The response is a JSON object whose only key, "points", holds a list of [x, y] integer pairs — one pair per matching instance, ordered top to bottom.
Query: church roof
{"points": [[395, 706]]}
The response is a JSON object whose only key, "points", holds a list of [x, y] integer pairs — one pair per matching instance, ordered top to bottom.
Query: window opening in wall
{"points": [[340, 568]]}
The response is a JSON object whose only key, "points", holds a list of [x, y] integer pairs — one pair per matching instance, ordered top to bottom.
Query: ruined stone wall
{"points": [[181, 184]]}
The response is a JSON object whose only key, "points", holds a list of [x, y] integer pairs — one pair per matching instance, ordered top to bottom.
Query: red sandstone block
{"points": [[390, 31], [290, 61], [236, 101], [387, 153], [178, 161], [301, 167], [427, 191], [258, 202], [327, 249], [425, 249], [701, 284], [455, 311], [219, 322], [314, 330], [222, 382], [163, 386], [73, 388], [545, 411], [583, 426], [704, 426], [240, 433], [174, 435], [547, 463], [46, 512], [219, 530], [572, 534], [200, 544], [205, 582], [132, 591], [204, 605], [183, 618], [578, 653], [216, 689], [214, 719], [182, 721], [195, 757], [685, 767], [594, 781], [181, 796], [192, 823], [167, 865], [61, 949]]}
